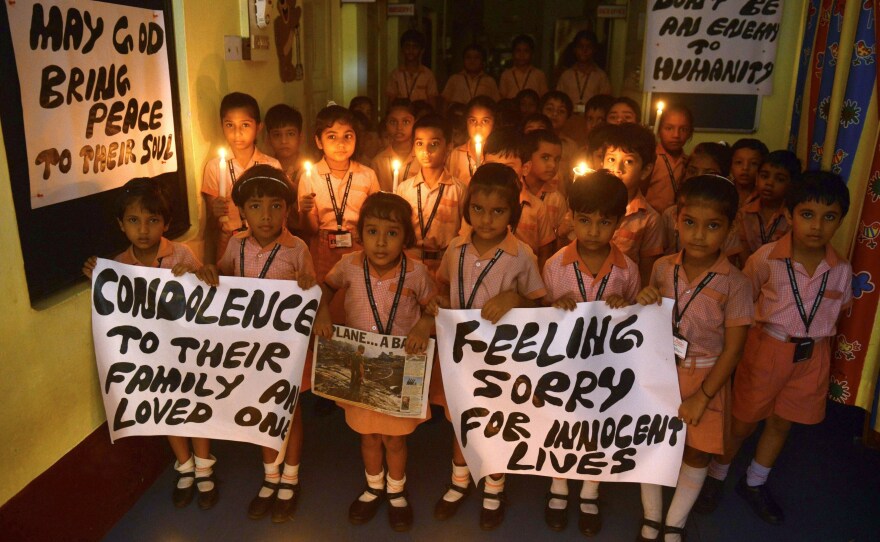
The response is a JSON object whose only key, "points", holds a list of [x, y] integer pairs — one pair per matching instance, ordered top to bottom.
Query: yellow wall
{"points": [[48, 380]]}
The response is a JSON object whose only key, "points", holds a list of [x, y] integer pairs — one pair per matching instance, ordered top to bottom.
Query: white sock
{"points": [[189, 466], [204, 468], [718, 470], [756, 474], [271, 475], [290, 476], [461, 477], [375, 481], [690, 481], [396, 486], [558, 486], [493, 487], [590, 490], [652, 504]]}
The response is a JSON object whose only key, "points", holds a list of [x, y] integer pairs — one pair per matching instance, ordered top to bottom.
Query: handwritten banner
{"points": [[711, 46], [96, 95], [176, 357], [373, 371], [590, 394]]}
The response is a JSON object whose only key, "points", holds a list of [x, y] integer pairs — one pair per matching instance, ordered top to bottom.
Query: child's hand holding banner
{"points": [[176, 357], [589, 394]]}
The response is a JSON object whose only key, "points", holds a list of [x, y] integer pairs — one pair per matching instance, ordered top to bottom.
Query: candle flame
{"points": [[660, 107], [478, 139], [222, 155], [395, 165], [308, 166], [582, 169]]}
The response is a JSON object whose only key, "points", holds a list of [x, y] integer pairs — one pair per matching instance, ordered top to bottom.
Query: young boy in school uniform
{"points": [[413, 80], [542, 152], [629, 153], [801, 287]]}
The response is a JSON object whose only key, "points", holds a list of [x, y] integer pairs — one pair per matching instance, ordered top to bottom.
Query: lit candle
{"points": [[657, 118], [478, 149], [395, 166], [308, 167], [582, 169], [221, 186]]}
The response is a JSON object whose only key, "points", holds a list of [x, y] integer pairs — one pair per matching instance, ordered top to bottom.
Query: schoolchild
{"points": [[522, 75], [585, 78], [413, 80], [471, 81], [527, 101], [558, 108], [596, 110], [624, 110], [240, 119], [480, 121], [536, 121], [399, 123], [284, 128], [676, 128], [371, 139], [629, 154], [748, 155], [436, 196], [330, 197], [543, 206], [143, 213], [267, 250], [590, 268], [491, 270], [801, 286], [384, 293], [711, 317]]}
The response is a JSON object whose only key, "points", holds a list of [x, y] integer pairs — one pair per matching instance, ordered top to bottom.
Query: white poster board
{"points": [[711, 46], [96, 95], [176, 357], [589, 394]]}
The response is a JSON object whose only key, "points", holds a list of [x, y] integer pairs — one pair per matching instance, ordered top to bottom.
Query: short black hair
{"points": [[588, 35], [412, 36], [525, 39], [475, 47], [527, 93], [557, 95], [240, 100], [360, 100], [481, 101], [599, 101], [629, 102], [400, 103], [422, 108], [678, 108], [507, 114], [281, 115], [329, 116], [537, 117], [436, 122], [598, 136], [633, 138], [532, 141], [504, 142], [753, 144], [719, 152], [786, 160], [498, 178], [260, 181], [822, 186], [714, 189], [598, 191], [149, 193], [388, 206]]}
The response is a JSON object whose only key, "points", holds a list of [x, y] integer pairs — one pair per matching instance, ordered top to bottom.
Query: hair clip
{"points": [[331, 103], [721, 177], [245, 181]]}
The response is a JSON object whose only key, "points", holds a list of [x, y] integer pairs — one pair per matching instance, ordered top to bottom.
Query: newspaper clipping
{"points": [[372, 371]]}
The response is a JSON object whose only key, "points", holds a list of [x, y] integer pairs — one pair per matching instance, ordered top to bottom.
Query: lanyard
{"points": [[516, 81], [476, 86], [410, 89], [581, 89], [471, 163], [405, 171], [671, 171], [232, 172], [339, 212], [425, 227], [767, 236], [159, 261], [265, 265], [479, 281], [582, 288], [375, 309], [677, 316], [807, 320]]}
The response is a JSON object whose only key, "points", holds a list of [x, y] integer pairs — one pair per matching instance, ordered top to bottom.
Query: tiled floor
{"points": [[826, 481]]}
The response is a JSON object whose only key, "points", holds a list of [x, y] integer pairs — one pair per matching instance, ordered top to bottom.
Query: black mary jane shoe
{"points": [[182, 496], [207, 499], [761, 501], [260, 506], [284, 509], [444, 509], [361, 512], [399, 517], [556, 518], [491, 519], [589, 524], [654, 525], [680, 531]]}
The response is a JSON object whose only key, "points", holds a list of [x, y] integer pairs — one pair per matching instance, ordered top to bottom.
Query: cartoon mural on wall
{"points": [[286, 39]]}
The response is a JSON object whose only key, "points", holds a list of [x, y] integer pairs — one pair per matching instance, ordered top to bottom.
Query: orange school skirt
{"points": [[713, 432]]}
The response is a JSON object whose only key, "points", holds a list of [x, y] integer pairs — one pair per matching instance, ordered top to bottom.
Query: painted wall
{"points": [[48, 379]]}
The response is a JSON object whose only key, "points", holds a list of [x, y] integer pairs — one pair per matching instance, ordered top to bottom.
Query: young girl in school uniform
{"points": [[480, 120], [399, 122], [331, 195], [144, 214], [268, 250], [590, 268], [500, 272], [385, 293], [711, 317]]}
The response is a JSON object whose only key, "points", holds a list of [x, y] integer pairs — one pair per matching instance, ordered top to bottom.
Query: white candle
{"points": [[657, 118], [478, 149], [308, 167], [395, 167], [582, 169], [221, 186]]}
